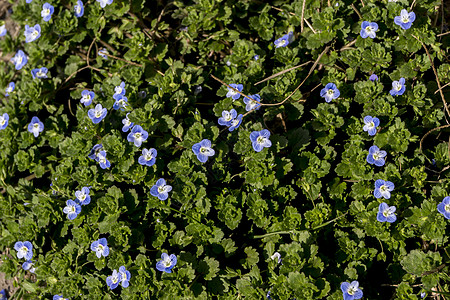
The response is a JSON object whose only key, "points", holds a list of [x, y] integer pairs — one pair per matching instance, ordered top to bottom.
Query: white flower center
{"points": [[78, 9], [46, 11], [405, 18], [369, 29], [34, 34], [281, 43], [19, 60], [40, 74], [397, 86], [118, 90], [330, 92], [86, 97], [98, 113], [2, 121], [127, 122], [235, 122], [36, 125], [137, 136], [261, 140], [204, 150], [148, 156], [383, 188], [161, 189], [447, 207], [72, 208], [114, 278]]}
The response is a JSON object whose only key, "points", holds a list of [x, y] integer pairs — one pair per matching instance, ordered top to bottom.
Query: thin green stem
{"points": [[176, 210]]}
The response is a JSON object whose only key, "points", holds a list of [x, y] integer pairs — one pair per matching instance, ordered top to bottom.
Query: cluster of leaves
{"points": [[309, 197]]}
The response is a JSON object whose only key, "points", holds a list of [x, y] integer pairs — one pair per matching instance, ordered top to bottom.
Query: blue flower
{"points": [[28, 1], [104, 2], [79, 9], [47, 11], [405, 19], [368, 29], [3, 30], [32, 33], [284, 40], [103, 52], [256, 57], [19, 60], [39, 73], [373, 77], [398, 87], [10, 88], [120, 90], [330, 92], [232, 93], [87, 97], [121, 102], [252, 105], [97, 114], [227, 116], [4, 121], [235, 123], [127, 124], [371, 124], [35, 126], [137, 135], [260, 139], [203, 150], [95, 151], [376, 156], [148, 157], [104, 163], [161, 189], [383, 189], [83, 196], [444, 207], [72, 209], [386, 213], [100, 247], [24, 250], [166, 263], [28, 265], [126, 276], [113, 280], [351, 291], [3, 295], [268, 296], [57, 297]]}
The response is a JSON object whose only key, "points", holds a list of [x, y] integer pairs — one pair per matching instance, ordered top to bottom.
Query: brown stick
{"points": [[426, 134]]}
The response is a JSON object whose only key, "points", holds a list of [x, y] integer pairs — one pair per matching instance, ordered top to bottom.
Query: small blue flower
{"points": [[28, 1], [104, 2], [79, 9], [47, 11], [405, 19], [368, 29], [3, 30], [32, 33], [284, 40], [103, 53], [256, 57], [19, 60], [39, 73], [373, 77], [398, 87], [10, 88], [120, 90], [330, 92], [232, 93], [87, 97], [121, 102], [252, 105], [97, 114], [227, 116], [4, 121], [235, 122], [127, 124], [371, 124], [35, 127], [137, 135], [260, 140], [203, 150], [95, 151], [376, 156], [148, 157], [104, 163], [161, 189], [383, 189], [83, 196], [444, 207], [72, 209], [386, 213], [100, 247], [24, 250], [276, 256], [166, 263], [28, 266], [126, 276], [113, 280], [351, 291], [3, 295], [268, 296], [56, 297]]}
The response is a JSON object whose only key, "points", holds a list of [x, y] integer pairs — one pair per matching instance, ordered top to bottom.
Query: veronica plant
{"points": [[405, 19], [368, 29], [32, 33], [330, 92], [35, 127], [260, 140], [203, 150], [376, 156], [161, 189], [383, 189], [444, 207], [386, 213], [100, 247], [24, 250], [166, 263]]}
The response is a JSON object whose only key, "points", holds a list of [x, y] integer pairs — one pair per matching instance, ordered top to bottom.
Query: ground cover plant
{"points": [[226, 149]]}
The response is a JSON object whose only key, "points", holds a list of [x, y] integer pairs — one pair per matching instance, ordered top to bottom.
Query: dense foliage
{"points": [[225, 149]]}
